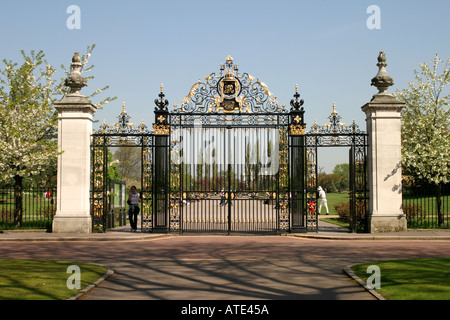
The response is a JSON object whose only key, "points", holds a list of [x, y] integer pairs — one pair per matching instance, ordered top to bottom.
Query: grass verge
{"points": [[336, 221], [43, 279], [416, 279]]}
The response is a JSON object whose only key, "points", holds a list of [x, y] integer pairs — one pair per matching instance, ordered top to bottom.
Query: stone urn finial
{"points": [[382, 80], [75, 81]]}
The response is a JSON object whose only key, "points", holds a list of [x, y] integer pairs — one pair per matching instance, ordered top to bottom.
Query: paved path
{"points": [[227, 268]]}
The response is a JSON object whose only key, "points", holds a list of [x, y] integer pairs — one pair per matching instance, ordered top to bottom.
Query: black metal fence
{"points": [[427, 206], [33, 208], [117, 217]]}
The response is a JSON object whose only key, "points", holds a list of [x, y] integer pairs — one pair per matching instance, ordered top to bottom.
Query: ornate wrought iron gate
{"points": [[121, 134], [337, 134], [228, 159]]}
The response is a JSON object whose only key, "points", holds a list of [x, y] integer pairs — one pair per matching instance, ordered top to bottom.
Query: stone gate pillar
{"points": [[75, 115], [383, 120]]}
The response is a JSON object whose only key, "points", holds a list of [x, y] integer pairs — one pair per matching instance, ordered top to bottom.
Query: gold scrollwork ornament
{"points": [[161, 129], [297, 129]]}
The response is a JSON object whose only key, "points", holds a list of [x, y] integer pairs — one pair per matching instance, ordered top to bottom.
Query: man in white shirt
{"points": [[322, 199]]}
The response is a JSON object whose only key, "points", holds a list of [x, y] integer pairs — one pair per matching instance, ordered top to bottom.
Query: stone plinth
{"points": [[75, 115]]}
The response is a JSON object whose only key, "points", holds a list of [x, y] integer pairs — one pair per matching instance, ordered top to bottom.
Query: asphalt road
{"points": [[227, 267]]}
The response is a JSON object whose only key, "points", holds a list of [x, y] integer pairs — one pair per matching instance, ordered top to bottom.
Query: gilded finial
{"points": [[161, 103], [296, 104], [123, 107], [334, 108]]}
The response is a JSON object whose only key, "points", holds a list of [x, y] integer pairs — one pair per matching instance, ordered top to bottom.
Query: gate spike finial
{"points": [[161, 103], [296, 104]]}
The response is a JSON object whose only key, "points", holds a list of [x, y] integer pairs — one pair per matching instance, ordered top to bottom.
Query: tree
{"points": [[28, 121], [425, 126], [129, 164], [113, 170], [342, 170], [336, 181], [329, 182]]}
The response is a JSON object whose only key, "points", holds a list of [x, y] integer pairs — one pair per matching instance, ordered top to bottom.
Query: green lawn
{"points": [[332, 199], [42, 279], [416, 279]]}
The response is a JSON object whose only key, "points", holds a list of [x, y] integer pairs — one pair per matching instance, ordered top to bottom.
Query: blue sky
{"points": [[324, 46]]}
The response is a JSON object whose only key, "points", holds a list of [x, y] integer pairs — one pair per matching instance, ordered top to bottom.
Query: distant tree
{"points": [[425, 126], [128, 162], [342, 169], [113, 170], [329, 182]]}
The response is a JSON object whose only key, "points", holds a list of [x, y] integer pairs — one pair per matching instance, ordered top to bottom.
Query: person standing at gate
{"points": [[222, 197], [322, 199], [133, 211]]}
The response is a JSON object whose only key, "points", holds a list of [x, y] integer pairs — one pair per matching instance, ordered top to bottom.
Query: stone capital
{"points": [[383, 101], [75, 102]]}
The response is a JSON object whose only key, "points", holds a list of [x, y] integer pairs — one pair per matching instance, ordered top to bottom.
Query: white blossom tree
{"points": [[28, 121], [426, 126]]}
